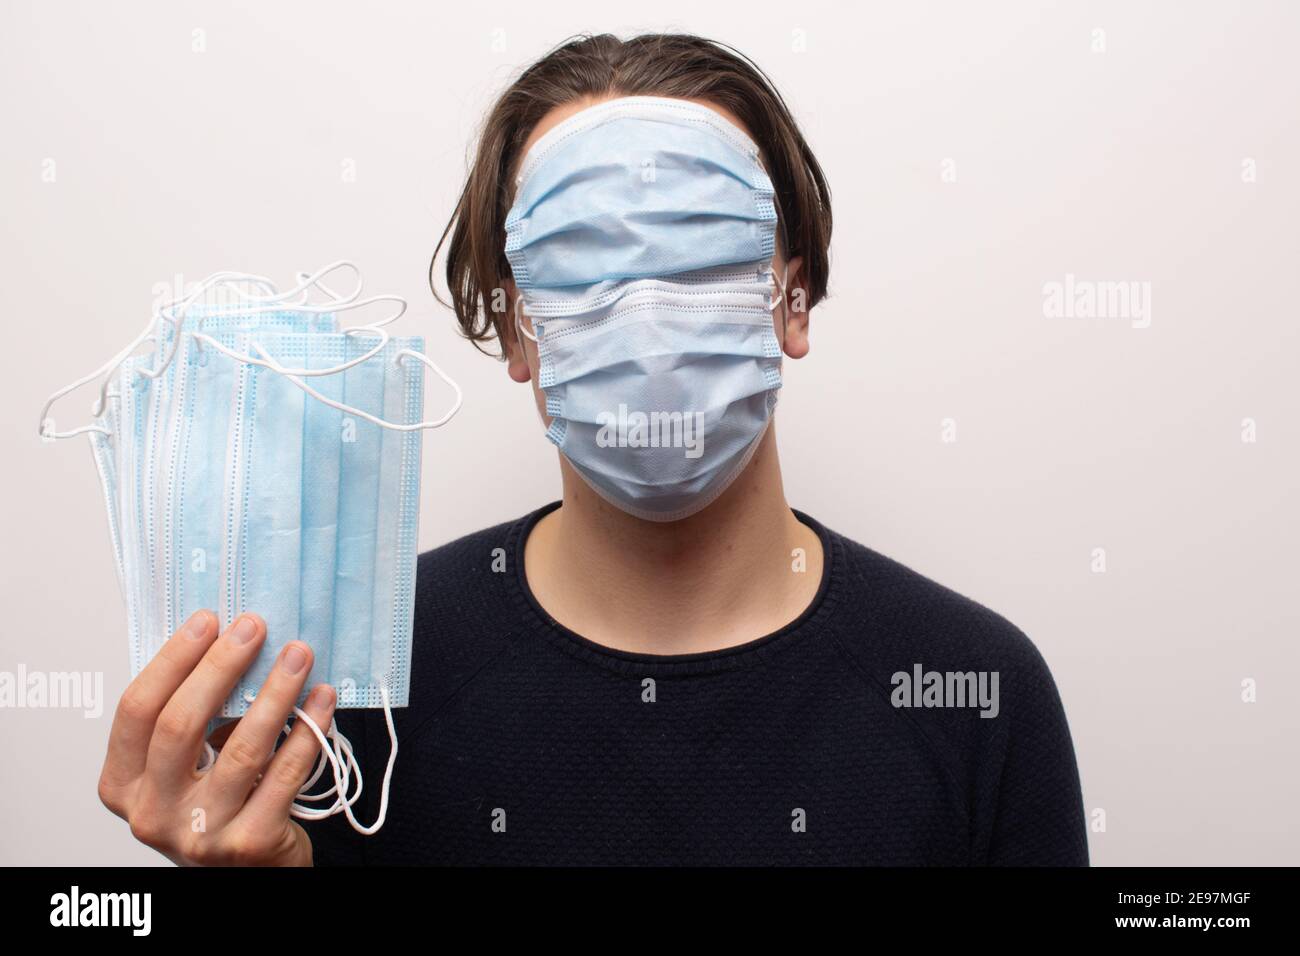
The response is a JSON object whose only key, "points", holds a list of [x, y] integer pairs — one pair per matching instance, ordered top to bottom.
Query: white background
{"points": [[1121, 165]]}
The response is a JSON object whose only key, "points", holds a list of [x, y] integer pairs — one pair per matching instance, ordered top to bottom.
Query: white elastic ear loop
{"points": [[224, 280], [309, 280], [313, 280], [306, 282], [317, 283], [299, 294], [781, 297], [295, 298], [265, 303], [270, 303], [339, 304], [166, 313], [519, 324], [150, 330], [519, 330], [108, 367], [313, 372], [292, 375], [46, 429], [335, 752], [342, 762], [349, 766]]}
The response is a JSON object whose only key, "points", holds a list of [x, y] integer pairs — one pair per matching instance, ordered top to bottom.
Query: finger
{"points": [[145, 697], [178, 732], [248, 750], [292, 764]]}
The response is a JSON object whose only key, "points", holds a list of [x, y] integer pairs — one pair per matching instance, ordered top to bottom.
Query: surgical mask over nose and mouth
{"points": [[641, 241], [258, 457]]}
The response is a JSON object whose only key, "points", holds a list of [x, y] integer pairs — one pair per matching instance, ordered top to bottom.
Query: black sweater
{"points": [[524, 743]]}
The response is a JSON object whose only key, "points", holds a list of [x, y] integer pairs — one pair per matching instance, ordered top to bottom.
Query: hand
{"points": [[237, 811]]}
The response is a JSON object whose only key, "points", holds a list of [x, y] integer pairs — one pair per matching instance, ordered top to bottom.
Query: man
{"points": [[669, 666]]}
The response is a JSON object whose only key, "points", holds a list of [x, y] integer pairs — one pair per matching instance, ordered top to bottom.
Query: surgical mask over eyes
{"points": [[641, 241], [255, 455]]}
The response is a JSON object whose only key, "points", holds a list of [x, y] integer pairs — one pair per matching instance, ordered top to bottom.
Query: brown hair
{"points": [[672, 65]]}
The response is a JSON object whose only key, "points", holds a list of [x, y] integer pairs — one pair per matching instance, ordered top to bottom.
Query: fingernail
{"points": [[197, 626], [243, 630], [294, 660], [322, 695]]}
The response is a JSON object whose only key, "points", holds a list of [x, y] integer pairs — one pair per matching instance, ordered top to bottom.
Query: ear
{"points": [[795, 344], [516, 358]]}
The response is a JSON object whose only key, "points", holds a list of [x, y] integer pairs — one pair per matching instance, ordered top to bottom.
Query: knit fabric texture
{"points": [[526, 744]]}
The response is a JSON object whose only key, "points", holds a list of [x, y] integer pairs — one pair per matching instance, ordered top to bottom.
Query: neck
{"points": [[724, 576]]}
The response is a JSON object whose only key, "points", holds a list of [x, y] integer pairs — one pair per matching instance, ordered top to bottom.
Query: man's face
{"points": [[791, 327]]}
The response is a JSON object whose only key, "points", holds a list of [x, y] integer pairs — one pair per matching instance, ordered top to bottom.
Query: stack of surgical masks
{"points": [[642, 238], [257, 455]]}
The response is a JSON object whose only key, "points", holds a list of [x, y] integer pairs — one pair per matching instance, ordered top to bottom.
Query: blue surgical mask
{"points": [[641, 240], [260, 458]]}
